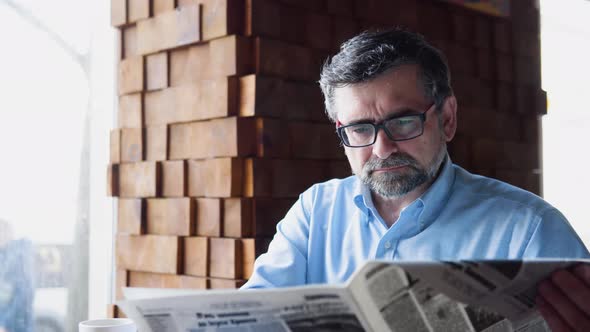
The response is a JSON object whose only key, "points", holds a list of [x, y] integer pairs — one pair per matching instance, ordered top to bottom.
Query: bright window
{"points": [[565, 54], [56, 106]]}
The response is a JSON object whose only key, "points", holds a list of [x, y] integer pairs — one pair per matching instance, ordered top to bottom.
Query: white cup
{"points": [[108, 325]]}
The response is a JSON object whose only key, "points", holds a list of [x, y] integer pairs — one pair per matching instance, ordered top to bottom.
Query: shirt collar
{"points": [[436, 197], [362, 198], [433, 200]]}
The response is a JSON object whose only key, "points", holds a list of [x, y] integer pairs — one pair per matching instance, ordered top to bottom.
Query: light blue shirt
{"points": [[334, 228]]}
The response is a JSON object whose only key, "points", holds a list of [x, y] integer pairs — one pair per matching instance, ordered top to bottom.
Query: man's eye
{"points": [[404, 121], [361, 130]]}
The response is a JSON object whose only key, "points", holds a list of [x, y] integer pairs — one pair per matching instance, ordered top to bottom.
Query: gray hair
{"points": [[372, 53]]}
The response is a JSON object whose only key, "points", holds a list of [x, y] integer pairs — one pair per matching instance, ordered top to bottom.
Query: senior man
{"points": [[390, 97]]}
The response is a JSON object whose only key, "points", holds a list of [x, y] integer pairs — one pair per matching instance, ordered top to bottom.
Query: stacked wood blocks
{"points": [[496, 73], [221, 124], [219, 130]]}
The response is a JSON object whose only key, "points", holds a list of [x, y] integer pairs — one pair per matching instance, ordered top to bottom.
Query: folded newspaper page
{"points": [[489, 296]]}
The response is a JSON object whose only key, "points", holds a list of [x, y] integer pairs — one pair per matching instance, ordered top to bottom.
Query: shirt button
{"points": [[387, 245]]}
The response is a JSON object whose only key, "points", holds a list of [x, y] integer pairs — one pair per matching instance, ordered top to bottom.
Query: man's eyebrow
{"points": [[403, 112], [398, 113], [359, 121]]}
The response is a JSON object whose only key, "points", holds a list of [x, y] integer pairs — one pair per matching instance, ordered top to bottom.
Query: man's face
{"points": [[393, 169]]}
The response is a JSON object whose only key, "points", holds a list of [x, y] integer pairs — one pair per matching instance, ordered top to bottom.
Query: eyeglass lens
{"points": [[397, 129]]}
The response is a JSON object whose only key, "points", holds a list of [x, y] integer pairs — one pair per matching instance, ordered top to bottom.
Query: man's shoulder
{"points": [[483, 188]]}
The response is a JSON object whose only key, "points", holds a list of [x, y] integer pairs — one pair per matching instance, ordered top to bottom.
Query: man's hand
{"points": [[564, 299]]}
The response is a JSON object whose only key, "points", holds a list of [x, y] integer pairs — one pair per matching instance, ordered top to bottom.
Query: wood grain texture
{"points": [[162, 6], [138, 10], [118, 12], [221, 17], [169, 29], [129, 42], [231, 56], [189, 65], [157, 71], [131, 75], [279, 98], [207, 99], [159, 107], [130, 111], [224, 137], [232, 137], [156, 142], [184, 144], [131, 145], [115, 146], [219, 177], [224, 177], [174, 178], [196, 178], [140, 179], [131, 216], [170, 216], [209, 217], [237, 217], [150, 253], [196, 256], [225, 258], [161, 280], [220, 283]]}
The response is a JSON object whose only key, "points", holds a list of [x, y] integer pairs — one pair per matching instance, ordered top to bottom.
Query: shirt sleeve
{"points": [[554, 237], [285, 262]]}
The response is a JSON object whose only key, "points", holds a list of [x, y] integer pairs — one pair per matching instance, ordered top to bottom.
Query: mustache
{"points": [[399, 159]]}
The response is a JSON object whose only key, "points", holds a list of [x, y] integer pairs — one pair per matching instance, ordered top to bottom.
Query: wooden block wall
{"points": [[496, 72], [221, 123]]}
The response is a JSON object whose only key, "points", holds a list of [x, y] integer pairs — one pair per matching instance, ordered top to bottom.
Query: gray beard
{"points": [[392, 185]]}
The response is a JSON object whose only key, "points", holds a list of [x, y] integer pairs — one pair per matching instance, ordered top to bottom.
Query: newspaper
{"points": [[491, 296]]}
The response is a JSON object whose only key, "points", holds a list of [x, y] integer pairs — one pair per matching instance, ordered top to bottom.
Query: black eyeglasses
{"points": [[399, 128]]}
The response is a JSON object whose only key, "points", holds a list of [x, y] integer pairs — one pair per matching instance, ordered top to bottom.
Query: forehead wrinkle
{"points": [[393, 92], [363, 100]]}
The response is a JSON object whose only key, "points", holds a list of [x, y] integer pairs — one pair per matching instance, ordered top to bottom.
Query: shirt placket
{"points": [[407, 225]]}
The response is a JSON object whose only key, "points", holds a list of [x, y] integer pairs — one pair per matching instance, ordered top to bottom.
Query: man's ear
{"points": [[449, 118]]}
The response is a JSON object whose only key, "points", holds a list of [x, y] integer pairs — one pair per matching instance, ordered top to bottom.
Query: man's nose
{"points": [[383, 146]]}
